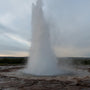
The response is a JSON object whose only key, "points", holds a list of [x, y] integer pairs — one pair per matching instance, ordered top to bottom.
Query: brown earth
{"points": [[8, 82]]}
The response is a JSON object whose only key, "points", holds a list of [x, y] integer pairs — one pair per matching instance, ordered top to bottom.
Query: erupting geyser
{"points": [[42, 60]]}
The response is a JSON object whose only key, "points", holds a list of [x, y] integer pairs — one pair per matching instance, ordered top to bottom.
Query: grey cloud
{"points": [[69, 22], [11, 45]]}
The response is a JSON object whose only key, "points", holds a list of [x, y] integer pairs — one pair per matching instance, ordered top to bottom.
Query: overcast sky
{"points": [[68, 19]]}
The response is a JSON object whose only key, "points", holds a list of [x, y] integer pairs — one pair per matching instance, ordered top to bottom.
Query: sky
{"points": [[68, 20]]}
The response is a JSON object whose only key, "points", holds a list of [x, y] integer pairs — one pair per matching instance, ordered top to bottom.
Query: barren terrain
{"points": [[9, 80]]}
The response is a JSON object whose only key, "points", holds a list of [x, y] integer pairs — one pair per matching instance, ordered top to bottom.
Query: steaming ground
{"points": [[67, 67], [17, 71], [12, 78]]}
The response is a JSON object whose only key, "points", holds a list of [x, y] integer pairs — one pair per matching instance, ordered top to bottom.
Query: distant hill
{"points": [[23, 60]]}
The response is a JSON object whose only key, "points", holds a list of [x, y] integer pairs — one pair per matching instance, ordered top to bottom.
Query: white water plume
{"points": [[42, 60]]}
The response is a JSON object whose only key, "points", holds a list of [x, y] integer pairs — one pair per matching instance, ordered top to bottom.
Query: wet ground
{"points": [[11, 79]]}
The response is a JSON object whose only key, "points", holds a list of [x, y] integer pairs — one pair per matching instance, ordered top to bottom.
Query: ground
{"points": [[9, 80]]}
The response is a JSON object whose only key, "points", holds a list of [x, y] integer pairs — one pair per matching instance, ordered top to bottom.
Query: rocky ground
{"points": [[12, 81]]}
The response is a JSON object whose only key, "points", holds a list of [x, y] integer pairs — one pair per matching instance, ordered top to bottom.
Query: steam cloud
{"points": [[42, 60]]}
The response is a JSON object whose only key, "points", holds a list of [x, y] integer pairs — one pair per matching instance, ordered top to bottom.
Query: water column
{"points": [[42, 60]]}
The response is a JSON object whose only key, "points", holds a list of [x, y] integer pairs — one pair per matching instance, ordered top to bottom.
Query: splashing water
{"points": [[42, 60]]}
